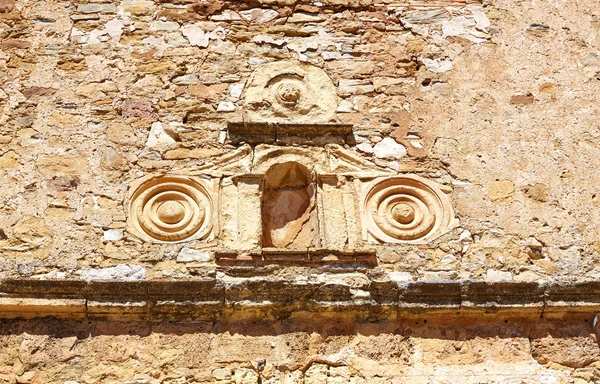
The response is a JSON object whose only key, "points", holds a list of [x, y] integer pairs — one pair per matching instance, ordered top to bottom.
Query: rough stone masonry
{"points": [[296, 191]]}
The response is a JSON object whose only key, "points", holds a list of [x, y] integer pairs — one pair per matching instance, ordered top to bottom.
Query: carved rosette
{"points": [[287, 91], [170, 209], [406, 209]]}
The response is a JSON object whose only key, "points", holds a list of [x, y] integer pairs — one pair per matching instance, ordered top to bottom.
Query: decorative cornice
{"points": [[211, 299]]}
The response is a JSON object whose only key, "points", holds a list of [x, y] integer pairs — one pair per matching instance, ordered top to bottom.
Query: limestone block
{"points": [[334, 215], [249, 225]]}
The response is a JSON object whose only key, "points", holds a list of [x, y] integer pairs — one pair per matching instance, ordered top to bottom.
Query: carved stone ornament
{"points": [[290, 92], [170, 209], [405, 209]]}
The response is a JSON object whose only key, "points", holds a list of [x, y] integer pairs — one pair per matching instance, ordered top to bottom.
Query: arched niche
{"points": [[289, 207]]}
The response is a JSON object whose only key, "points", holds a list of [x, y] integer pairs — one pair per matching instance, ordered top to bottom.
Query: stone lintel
{"points": [[262, 132], [298, 256], [210, 299]]}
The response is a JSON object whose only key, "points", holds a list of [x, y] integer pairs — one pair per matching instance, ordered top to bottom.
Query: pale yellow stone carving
{"points": [[290, 92], [405, 208], [170, 209]]}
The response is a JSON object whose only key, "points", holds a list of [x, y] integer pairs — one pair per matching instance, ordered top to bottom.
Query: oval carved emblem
{"points": [[406, 208], [170, 209]]}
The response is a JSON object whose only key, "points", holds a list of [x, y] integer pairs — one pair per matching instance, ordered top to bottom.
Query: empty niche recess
{"points": [[289, 214]]}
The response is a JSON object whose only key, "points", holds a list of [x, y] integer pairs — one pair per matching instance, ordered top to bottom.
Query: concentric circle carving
{"points": [[291, 92], [406, 208], [170, 209]]}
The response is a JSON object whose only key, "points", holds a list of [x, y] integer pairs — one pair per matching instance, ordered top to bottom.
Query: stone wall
{"points": [[495, 102], [489, 106], [304, 350]]}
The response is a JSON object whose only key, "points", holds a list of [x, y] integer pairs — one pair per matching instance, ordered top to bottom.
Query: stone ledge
{"points": [[257, 132], [366, 256], [209, 299]]}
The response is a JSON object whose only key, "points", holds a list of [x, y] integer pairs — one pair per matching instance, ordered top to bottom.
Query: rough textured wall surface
{"points": [[494, 101], [497, 102], [298, 351]]}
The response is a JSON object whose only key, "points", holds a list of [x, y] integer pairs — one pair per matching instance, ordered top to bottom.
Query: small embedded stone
{"points": [[7, 6], [138, 7], [97, 8], [259, 15], [300, 17], [165, 26], [114, 28], [195, 35], [14, 43], [438, 65], [186, 80], [354, 87], [235, 90], [38, 91], [522, 99], [226, 106], [344, 107], [137, 109], [120, 133], [158, 136], [365, 147], [388, 148], [8, 160], [63, 183], [500, 189], [538, 192], [113, 235], [534, 248], [188, 255], [122, 272], [400, 276], [494, 276], [222, 374]]}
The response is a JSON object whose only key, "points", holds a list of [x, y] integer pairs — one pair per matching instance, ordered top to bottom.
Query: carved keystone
{"points": [[287, 91]]}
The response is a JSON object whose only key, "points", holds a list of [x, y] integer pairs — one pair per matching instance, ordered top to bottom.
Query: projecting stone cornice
{"points": [[213, 299]]}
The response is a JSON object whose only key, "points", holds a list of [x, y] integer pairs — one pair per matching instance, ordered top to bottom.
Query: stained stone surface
{"points": [[493, 102]]}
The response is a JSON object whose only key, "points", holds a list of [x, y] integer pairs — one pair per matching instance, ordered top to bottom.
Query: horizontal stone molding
{"points": [[265, 132], [211, 299]]}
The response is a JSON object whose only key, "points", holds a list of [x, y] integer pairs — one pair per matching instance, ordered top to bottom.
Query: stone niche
{"points": [[302, 202], [289, 209]]}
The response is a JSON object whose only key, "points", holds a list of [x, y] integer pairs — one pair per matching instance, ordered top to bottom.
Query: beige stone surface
{"points": [[292, 351]]}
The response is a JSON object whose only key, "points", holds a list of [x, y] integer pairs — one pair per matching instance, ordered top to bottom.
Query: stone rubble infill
{"points": [[214, 298]]}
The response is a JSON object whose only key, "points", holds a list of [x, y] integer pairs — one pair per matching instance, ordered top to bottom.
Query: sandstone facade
{"points": [[283, 191]]}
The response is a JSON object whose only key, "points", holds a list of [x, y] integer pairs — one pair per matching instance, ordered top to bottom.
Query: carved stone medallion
{"points": [[292, 92], [405, 208], [170, 209]]}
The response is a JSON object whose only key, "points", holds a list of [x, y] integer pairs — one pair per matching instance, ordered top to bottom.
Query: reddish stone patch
{"points": [[7, 6], [13, 43], [38, 91], [522, 99], [137, 109], [63, 183]]}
